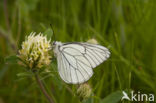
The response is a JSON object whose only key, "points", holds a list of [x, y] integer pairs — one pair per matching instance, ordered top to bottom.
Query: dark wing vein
{"points": [[70, 48], [104, 51], [97, 55], [94, 56], [78, 59], [65, 65], [73, 67], [84, 70]]}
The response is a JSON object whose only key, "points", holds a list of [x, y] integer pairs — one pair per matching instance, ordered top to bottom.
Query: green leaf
{"points": [[48, 33], [11, 59], [24, 74], [113, 97], [89, 100]]}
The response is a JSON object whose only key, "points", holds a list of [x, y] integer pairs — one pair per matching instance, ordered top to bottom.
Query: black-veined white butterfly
{"points": [[76, 60]]}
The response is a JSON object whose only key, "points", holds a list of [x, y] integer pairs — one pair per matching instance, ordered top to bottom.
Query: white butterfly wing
{"points": [[76, 61]]}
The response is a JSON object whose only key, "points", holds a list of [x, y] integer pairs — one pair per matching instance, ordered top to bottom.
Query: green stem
{"points": [[39, 82]]}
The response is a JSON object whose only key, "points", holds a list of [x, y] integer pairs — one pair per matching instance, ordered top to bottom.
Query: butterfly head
{"points": [[53, 43], [56, 44], [55, 47]]}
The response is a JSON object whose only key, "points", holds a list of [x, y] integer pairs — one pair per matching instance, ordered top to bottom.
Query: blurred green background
{"points": [[126, 27]]}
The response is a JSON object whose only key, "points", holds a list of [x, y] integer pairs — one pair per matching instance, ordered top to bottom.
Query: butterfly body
{"points": [[56, 45], [76, 60]]}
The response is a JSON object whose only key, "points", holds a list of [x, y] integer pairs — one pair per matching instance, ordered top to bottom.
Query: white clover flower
{"points": [[35, 51], [84, 91]]}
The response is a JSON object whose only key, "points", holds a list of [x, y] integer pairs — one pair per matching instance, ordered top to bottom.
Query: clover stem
{"points": [[39, 82]]}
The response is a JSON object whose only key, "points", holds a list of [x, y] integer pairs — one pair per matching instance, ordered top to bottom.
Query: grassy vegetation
{"points": [[126, 27]]}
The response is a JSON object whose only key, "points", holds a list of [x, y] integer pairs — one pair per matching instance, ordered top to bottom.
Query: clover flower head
{"points": [[92, 41], [35, 50], [84, 91]]}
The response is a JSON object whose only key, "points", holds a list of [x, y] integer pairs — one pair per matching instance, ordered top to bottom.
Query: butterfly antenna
{"points": [[53, 32]]}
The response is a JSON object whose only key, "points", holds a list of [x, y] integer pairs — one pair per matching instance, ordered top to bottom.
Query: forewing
{"points": [[96, 54], [76, 61]]}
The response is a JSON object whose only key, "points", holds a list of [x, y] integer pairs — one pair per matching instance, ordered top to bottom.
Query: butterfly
{"points": [[76, 60]]}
